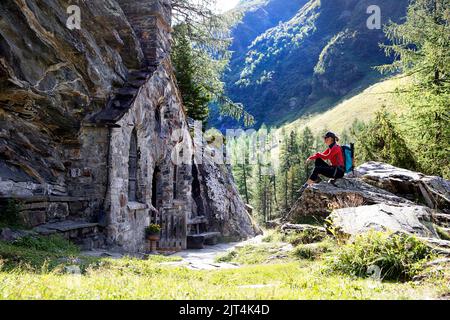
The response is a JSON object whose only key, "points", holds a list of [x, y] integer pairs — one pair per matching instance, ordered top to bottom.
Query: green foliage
{"points": [[421, 45], [200, 55], [282, 72], [195, 96], [426, 129], [381, 141], [240, 151], [10, 214], [153, 229], [442, 233], [305, 237], [51, 244], [314, 251], [36, 253], [399, 256], [26, 273]]}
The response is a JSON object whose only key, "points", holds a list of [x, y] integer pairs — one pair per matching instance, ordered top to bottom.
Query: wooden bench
{"points": [[197, 241]]}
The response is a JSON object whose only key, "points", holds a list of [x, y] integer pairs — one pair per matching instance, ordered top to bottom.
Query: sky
{"points": [[225, 5]]}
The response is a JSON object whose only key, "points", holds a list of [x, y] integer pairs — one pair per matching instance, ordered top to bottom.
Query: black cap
{"points": [[330, 134]]}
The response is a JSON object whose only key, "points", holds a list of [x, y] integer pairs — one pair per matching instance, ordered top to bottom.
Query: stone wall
{"points": [[68, 112], [127, 219]]}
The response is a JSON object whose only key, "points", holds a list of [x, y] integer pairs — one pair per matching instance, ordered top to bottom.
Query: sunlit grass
{"points": [[266, 271]]}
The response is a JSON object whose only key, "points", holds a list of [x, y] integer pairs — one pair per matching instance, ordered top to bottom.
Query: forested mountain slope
{"points": [[320, 54]]}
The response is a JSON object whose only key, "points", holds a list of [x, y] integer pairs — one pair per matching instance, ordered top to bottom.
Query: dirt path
{"points": [[193, 259], [204, 259]]}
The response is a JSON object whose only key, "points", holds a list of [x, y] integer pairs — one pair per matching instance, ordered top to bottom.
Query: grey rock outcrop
{"points": [[429, 190], [379, 197], [321, 199], [227, 210], [415, 220]]}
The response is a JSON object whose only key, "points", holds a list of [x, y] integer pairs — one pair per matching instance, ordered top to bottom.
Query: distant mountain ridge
{"points": [[321, 51]]}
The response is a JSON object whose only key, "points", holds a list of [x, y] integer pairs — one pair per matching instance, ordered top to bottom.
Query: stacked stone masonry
{"points": [[69, 111]]}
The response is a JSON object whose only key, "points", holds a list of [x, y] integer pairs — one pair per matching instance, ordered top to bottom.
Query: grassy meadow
{"points": [[281, 267]]}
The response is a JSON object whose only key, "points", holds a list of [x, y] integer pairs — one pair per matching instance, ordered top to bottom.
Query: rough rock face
{"points": [[50, 79], [91, 121], [431, 191], [376, 198], [320, 200], [224, 205], [412, 219]]}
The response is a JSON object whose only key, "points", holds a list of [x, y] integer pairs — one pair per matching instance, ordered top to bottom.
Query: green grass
{"points": [[293, 237], [256, 254], [266, 272]]}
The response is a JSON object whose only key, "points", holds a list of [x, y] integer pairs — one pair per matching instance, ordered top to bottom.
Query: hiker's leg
{"points": [[321, 163], [321, 167], [327, 171]]}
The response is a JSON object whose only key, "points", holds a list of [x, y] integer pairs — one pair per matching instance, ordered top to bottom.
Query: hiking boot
{"points": [[302, 189]]}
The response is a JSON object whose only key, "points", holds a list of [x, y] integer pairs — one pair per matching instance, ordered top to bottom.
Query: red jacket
{"points": [[333, 154]]}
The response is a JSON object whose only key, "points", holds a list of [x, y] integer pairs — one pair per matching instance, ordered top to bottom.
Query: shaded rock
{"points": [[431, 191], [321, 199], [221, 202], [57, 211], [442, 219], [415, 220], [273, 224], [302, 227], [6, 234], [9, 235], [438, 243], [437, 262]]}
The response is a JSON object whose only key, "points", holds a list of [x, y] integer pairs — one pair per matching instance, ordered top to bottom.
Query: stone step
{"points": [[197, 220], [65, 226], [85, 234], [197, 241]]}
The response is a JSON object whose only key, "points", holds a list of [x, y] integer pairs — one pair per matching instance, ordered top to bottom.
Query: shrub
{"points": [[153, 229], [295, 237], [305, 237], [51, 244], [313, 251], [36, 252], [399, 256]]}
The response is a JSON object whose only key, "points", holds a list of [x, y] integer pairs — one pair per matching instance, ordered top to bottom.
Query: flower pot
{"points": [[153, 237]]}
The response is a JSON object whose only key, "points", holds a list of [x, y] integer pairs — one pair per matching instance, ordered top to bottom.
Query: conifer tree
{"points": [[421, 46]]}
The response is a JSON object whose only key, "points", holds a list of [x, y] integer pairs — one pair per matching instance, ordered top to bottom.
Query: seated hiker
{"points": [[334, 155]]}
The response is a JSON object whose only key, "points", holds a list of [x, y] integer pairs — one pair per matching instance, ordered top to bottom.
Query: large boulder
{"points": [[429, 190], [379, 197], [321, 199], [223, 206], [415, 220]]}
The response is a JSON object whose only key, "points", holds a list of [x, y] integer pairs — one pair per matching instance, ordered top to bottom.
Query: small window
{"points": [[158, 121], [132, 168], [175, 178]]}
